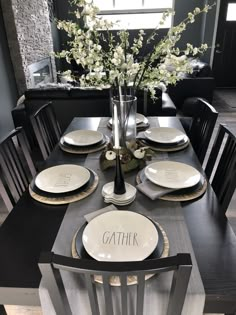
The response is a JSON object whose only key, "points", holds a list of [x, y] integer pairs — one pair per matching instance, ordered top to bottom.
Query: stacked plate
{"points": [[141, 122], [165, 139], [83, 141], [174, 175], [172, 181], [62, 183], [120, 200]]}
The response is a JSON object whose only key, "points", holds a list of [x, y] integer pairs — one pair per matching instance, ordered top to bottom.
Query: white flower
{"points": [[139, 154], [110, 155]]}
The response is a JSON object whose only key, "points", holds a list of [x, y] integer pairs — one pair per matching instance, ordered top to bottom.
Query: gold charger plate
{"points": [[67, 199], [131, 280]]}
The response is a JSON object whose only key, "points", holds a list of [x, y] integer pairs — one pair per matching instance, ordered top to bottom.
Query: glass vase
{"points": [[124, 107]]}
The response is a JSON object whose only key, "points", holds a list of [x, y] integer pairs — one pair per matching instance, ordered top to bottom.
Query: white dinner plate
{"points": [[139, 119], [164, 135], [83, 137], [172, 174], [62, 178], [120, 236]]}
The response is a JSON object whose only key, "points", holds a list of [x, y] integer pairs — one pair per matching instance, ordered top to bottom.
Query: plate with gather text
{"points": [[165, 135], [83, 137], [172, 174], [62, 178], [120, 236]]}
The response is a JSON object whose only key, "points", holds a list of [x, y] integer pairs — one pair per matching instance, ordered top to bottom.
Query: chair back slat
{"points": [[202, 127], [46, 128], [221, 166], [17, 167], [181, 265], [178, 289], [140, 294], [107, 295], [93, 299], [124, 302]]}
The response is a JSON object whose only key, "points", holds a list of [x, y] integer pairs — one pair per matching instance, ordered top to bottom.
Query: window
{"points": [[231, 12], [135, 14]]}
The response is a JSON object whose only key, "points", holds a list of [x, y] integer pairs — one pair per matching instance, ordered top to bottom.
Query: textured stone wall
{"points": [[29, 36]]}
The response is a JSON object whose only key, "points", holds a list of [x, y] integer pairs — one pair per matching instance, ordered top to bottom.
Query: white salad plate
{"points": [[139, 119], [165, 135], [83, 137], [172, 174], [62, 178], [120, 236]]}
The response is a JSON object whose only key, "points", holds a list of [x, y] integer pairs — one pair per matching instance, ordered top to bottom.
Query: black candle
{"points": [[119, 183]]}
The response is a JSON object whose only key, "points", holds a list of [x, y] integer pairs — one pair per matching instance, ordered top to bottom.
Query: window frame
{"points": [[137, 11]]}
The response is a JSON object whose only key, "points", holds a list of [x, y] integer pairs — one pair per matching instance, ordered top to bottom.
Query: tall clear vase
{"points": [[126, 106]]}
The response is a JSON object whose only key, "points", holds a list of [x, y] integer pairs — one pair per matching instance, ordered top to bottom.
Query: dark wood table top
{"points": [[31, 227]]}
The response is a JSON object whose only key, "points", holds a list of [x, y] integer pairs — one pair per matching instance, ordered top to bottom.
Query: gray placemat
{"points": [[168, 214]]}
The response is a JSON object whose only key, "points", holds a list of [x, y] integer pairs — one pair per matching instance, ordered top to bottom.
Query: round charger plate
{"points": [[140, 118], [165, 135], [83, 137], [160, 147], [83, 150], [172, 174], [62, 178], [43, 193], [185, 194], [54, 199], [120, 236], [161, 251]]}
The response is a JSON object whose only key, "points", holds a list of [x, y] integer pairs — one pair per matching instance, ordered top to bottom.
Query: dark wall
{"points": [[8, 90]]}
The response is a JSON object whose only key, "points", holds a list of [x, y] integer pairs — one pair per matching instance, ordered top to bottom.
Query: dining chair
{"points": [[46, 128], [201, 128], [16, 166], [221, 166], [51, 264]]}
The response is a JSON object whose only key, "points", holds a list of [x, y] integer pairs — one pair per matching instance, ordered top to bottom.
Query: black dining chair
{"points": [[201, 127], [46, 128], [16, 166], [221, 166], [50, 266]]}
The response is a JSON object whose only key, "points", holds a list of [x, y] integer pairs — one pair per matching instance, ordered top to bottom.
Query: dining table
{"points": [[32, 226]]}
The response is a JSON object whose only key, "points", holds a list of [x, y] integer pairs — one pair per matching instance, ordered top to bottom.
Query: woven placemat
{"points": [[163, 149], [84, 150], [180, 197], [67, 199], [131, 280]]}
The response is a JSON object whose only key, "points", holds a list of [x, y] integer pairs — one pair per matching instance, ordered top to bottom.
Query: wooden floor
{"points": [[224, 117]]}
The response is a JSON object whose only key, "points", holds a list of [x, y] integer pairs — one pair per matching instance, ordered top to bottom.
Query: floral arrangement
{"points": [[111, 62], [129, 161]]}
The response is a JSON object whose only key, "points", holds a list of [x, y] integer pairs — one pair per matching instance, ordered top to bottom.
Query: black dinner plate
{"points": [[61, 195], [83, 254]]}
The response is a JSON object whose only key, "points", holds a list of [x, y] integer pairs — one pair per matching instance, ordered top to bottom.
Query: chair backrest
{"points": [[202, 127], [46, 129], [16, 166], [221, 166], [50, 266]]}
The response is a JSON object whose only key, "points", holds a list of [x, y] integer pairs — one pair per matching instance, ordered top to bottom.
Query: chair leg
{"points": [[2, 310]]}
